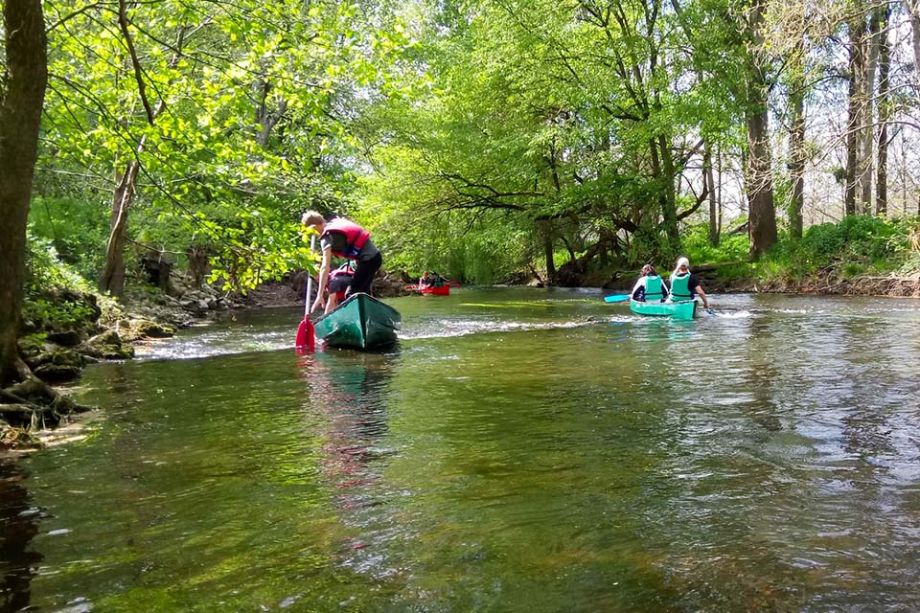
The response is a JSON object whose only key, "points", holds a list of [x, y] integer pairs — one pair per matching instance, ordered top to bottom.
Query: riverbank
{"points": [[828, 282], [67, 328], [57, 348]]}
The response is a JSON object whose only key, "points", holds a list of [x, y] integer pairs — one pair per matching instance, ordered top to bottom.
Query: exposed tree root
{"points": [[31, 404]]}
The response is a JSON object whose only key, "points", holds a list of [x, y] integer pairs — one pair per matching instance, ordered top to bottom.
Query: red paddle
{"points": [[306, 337]]}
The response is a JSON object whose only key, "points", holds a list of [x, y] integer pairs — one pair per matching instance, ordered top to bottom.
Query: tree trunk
{"points": [[21, 100], [884, 113], [867, 132], [797, 153], [855, 166], [663, 172], [719, 174], [760, 186], [713, 202], [762, 213], [548, 253], [112, 278]]}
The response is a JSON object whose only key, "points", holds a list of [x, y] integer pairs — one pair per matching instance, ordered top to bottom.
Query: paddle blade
{"points": [[616, 298], [306, 336]]}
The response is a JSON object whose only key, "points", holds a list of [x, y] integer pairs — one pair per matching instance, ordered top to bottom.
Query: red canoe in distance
{"points": [[443, 290]]}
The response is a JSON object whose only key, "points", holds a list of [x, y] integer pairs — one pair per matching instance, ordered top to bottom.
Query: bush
{"points": [[77, 230], [859, 242], [731, 248], [55, 296]]}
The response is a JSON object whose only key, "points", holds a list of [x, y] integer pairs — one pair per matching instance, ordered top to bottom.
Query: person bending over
{"points": [[345, 239]]}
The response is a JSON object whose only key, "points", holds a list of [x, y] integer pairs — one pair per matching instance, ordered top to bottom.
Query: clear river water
{"points": [[520, 450]]}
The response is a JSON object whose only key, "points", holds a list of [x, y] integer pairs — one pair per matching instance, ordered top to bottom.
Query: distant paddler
{"points": [[345, 239], [685, 285]]}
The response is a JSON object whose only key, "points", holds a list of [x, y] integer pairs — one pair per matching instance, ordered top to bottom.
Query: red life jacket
{"points": [[355, 236], [344, 269]]}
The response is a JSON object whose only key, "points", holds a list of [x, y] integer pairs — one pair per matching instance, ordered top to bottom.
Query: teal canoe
{"points": [[675, 310], [360, 322]]}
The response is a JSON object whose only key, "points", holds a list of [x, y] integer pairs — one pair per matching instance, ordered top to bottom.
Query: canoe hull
{"points": [[443, 290], [683, 311], [361, 322]]}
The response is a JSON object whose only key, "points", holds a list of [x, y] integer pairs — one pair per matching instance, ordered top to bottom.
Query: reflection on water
{"points": [[546, 452], [18, 525]]}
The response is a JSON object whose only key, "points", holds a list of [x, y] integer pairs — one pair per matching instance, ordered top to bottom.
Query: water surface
{"points": [[519, 450]]}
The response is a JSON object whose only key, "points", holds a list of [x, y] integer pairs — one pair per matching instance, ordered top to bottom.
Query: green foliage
{"points": [[521, 115], [245, 124], [76, 229], [856, 239], [854, 246], [731, 248], [45, 270], [54, 291]]}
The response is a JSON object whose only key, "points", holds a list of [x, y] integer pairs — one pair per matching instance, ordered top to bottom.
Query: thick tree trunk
{"points": [[21, 100], [884, 113], [797, 153], [855, 164], [663, 172], [760, 185], [669, 211], [762, 213], [548, 250]]}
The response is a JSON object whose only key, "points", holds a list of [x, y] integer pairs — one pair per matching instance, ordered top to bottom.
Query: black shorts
{"points": [[339, 283]]}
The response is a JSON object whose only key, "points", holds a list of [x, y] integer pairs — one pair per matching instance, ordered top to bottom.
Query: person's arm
{"points": [[323, 278], [639, 283], [699, 290]]}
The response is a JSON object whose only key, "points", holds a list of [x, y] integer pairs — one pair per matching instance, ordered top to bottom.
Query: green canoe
{"points": [[675, 310], [361, 322]]}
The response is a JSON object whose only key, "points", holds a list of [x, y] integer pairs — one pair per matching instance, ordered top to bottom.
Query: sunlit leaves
{"points": [[251, 105]]}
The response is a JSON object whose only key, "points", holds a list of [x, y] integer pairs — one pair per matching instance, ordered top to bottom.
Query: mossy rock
{"points": [[144, 328], [66, 338], [106, 346], [56, 355], [57, 373]]}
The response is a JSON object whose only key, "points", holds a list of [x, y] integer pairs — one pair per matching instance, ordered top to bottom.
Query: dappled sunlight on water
{"points": [[517, 449]]}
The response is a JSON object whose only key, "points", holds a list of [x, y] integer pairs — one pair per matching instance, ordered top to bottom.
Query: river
{"points": [[520, 449]]}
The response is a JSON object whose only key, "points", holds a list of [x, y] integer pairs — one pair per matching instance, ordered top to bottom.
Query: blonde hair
{"points": [[312, 218], [681, 261]]}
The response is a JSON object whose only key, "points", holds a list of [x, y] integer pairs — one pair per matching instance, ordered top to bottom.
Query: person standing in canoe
{"points": [[345, 239], [684, 284], [650, 287]]}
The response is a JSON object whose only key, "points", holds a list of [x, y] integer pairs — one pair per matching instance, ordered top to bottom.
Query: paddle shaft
{"points": [[306, 306]]}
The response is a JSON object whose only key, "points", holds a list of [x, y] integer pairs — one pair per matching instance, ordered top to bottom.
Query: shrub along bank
{"points": [[861, 255], [67, 325]]}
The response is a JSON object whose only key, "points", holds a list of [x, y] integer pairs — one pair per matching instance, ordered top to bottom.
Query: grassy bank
{"points": [[860, 255]]}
